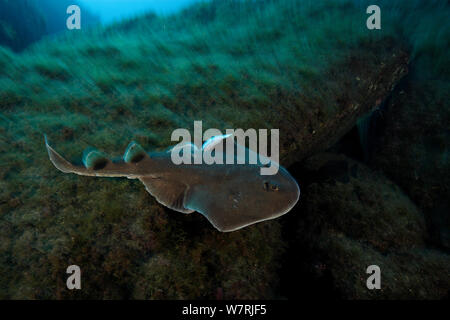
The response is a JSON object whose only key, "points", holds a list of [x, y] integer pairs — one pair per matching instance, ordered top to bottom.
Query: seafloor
{"points": [[364, 125]]}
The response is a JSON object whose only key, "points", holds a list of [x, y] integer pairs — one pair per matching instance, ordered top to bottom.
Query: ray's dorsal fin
{"points": [[134, 153], [94, 159], [169, 193]]}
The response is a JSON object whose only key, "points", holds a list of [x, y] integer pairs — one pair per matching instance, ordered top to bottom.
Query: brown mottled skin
{"points": [[229, 196]]}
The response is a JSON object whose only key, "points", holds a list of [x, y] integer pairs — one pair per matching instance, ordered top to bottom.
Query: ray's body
{"points": [[229, 196]]}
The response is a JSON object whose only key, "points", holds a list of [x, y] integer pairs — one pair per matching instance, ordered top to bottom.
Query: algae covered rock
{"points": [[144, 78], [364, 84], [412, 139], [353, 218], [129, 247], [239, 265]]}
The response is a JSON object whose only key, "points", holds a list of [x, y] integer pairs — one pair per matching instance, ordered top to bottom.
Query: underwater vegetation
{"points": [[309, 68]]}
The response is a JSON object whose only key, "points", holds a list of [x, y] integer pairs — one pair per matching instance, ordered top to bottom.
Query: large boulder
{"points": [[353, 217]]}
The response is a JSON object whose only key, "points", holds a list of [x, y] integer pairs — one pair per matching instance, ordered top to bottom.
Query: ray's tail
{"points": [[98, 165]]}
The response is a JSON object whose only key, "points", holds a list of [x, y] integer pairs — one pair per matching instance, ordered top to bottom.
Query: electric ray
{"points": [[230, 196]]}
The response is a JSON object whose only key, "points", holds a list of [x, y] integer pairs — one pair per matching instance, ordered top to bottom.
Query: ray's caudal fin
{"points": [[58, 161], [97, 164]]}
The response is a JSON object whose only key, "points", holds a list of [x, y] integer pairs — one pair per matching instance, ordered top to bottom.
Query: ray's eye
{"points": [[270, 187]]}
